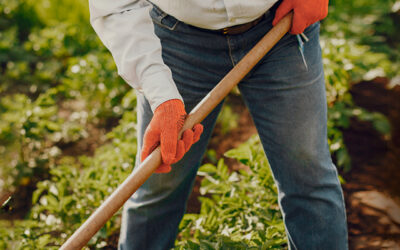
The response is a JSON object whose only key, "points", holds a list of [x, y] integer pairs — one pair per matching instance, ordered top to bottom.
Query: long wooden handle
{"points": [[142, 172]]}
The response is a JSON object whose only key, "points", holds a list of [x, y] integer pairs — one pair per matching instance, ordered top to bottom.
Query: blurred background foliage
{"points": [[59, 90]]}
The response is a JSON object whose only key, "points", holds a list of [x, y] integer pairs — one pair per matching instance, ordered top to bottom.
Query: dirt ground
{"points": [[375, 169]]}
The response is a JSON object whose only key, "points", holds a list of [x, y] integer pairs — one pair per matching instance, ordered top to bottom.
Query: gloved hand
{"points": [[306, 12], [163, 130]]}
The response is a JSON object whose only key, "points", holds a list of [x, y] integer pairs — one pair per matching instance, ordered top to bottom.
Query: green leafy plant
{"points": [[350, 54], [56, 83], [227, 119], [28, 133], [75, 189], [239, 210]]}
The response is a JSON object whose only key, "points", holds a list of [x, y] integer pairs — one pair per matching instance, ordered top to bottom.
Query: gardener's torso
{"points": [[215, 14]]}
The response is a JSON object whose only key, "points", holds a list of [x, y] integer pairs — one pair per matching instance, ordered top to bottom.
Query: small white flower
{"points": [[75, 69]]}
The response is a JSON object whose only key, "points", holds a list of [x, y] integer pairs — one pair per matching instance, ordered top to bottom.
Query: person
{"points": [[173, 52]]}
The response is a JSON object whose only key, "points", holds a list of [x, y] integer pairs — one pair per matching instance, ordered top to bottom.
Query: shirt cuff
{"points": [[159, 87]]}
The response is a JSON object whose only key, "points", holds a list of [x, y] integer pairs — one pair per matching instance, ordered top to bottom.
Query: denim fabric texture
{"points": [[288, 105]]}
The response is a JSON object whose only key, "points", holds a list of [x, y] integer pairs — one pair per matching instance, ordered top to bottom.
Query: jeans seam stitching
{"points": [[230, 52]]}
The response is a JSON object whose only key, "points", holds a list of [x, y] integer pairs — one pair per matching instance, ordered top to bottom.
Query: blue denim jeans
{"points": [[288, 105]]}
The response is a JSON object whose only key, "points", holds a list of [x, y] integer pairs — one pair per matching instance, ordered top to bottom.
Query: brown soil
{"points": [[375, 166]]}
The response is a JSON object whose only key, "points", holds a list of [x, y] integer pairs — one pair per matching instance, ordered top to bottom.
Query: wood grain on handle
{"points": [[142, 172]]}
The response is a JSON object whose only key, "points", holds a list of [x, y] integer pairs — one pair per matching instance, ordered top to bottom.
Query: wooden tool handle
{"points": [[142, 172]]}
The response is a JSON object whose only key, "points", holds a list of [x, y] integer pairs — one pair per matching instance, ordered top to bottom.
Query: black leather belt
{"points": [[241, 28]]}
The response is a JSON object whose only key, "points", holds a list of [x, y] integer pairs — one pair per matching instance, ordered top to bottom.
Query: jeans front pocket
{"points": [[163, 19]]}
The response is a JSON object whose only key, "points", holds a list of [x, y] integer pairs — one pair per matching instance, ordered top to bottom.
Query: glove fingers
{"points": [[284, 8], [197, 131], [169, 139], [187, 139], [150, 142], [180, 151], [163, 168]]}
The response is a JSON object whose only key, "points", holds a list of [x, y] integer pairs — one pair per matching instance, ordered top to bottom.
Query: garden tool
{"points": [[142, 172]]}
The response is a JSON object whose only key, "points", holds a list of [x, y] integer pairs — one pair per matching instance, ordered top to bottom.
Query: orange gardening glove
{"points": [[306, 12], [163, 130]]}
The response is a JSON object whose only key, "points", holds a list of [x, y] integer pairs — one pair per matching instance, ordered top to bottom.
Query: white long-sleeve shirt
{"points": [[126, 29]]}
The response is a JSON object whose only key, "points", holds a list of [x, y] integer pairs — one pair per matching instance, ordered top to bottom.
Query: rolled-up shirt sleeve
{"points": [[126, 29]]}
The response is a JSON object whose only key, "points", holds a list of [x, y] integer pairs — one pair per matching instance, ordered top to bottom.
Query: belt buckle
{"points": [[225, 30]]}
